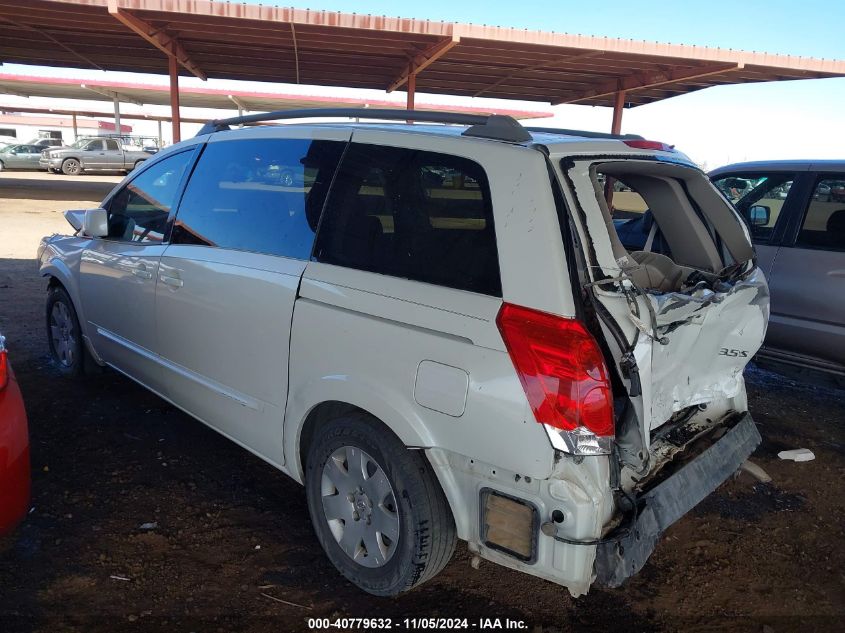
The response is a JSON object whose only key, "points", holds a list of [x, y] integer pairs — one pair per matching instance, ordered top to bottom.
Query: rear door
{"points": [[112, 155], [118, 273], [808, 278], [228, 281]]}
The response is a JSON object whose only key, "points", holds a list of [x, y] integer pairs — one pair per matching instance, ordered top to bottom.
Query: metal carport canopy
{"points": [[275, 44], [205, 97]]}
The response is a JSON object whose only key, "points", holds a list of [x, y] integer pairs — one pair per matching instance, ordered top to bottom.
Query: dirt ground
{"points": [[232, 548]]}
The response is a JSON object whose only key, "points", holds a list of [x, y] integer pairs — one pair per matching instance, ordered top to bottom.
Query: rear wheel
{"points": [[138, 163], [2, 166], [71, 167], [63, 333], [377, 508]]}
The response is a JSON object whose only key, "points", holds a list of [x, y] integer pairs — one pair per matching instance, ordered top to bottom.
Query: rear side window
{"points": [[112, 145], [258, 195], [412, 214], [824, 223]]}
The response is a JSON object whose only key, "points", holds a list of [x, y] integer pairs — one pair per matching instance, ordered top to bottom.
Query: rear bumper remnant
{"points": [[619, 558]]}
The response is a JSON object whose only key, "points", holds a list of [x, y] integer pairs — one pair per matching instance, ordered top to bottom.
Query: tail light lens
{"points": [[563, 373]]}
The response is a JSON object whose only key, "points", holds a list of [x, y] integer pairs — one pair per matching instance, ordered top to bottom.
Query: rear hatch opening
{"points": [[668, 270]]}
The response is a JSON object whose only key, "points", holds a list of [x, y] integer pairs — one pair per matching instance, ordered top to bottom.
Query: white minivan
{"points": [[434, 328]]}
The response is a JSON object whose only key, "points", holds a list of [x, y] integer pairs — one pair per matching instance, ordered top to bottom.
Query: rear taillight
{"points": [[643, 144], [562, 370]]}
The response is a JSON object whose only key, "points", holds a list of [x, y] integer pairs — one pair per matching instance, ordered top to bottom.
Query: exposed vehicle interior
{"points": [[699, 233]]}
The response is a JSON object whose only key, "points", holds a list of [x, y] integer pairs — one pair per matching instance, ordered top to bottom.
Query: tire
{"points": [[137, 164], [2, 166], [71, 167], [64, 337], [405, 483]]}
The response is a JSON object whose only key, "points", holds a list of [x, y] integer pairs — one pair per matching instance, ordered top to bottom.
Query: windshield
{"points": [[80, 143]]}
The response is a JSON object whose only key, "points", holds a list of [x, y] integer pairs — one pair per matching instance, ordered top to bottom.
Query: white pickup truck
{"points": [[91, 154]]}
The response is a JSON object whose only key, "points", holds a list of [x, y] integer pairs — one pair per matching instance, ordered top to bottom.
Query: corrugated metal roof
{"points": [[265, 43]]}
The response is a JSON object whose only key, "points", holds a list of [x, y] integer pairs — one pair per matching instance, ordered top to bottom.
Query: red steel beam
{"points": [[161, 40], [424, 59], [640, 81], [412, 89], [618, 107], [175, 115]]}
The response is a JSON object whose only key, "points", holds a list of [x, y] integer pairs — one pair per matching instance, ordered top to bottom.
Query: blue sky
{"points": [[796, 119]]}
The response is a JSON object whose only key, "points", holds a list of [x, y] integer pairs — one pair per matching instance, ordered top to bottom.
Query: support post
{"points": [[412, 89], [618, 106], [176, 120], [117, 128], [615, 128], [75, 130], [160, 140]]}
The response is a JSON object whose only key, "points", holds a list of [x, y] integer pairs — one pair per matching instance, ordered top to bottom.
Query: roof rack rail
{"points": [[493, 126], [583, 133]]}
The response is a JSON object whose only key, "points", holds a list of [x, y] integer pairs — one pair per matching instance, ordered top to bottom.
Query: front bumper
{"points": [[50, 163], [622, 556]]}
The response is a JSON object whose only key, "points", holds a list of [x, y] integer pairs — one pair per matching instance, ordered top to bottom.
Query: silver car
{"points": [[20, 157], [796, 214]]}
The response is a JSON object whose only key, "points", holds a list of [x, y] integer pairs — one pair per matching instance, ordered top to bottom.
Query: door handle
{"points": [[141, 271], [836, 273], [173, 282]]}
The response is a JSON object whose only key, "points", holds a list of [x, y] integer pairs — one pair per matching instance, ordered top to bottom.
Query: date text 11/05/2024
{"points": [[414, 624]]}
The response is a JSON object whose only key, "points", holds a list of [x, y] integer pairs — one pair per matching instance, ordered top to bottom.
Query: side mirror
{"points": [[759, 215], [95, 223]]}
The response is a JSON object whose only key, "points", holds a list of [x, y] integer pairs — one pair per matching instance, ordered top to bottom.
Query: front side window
{"points": [[95, 146], [258, 195], [759, 198], [139, 211], [412, 214], [824, 223]]}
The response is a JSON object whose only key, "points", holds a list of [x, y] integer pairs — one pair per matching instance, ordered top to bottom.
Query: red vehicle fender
{"points": [[14, 457]]}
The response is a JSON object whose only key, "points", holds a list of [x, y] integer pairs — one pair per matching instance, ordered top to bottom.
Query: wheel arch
{"points": [[73, 157], [58, 274], [330, 396], [331, 409]]}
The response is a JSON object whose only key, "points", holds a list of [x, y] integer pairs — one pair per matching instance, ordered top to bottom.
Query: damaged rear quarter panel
{"points": [[706, 340], [692, 346]]}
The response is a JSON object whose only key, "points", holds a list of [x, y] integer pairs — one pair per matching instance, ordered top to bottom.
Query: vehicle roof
{"points": [[452, 131], [781, 165]]}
